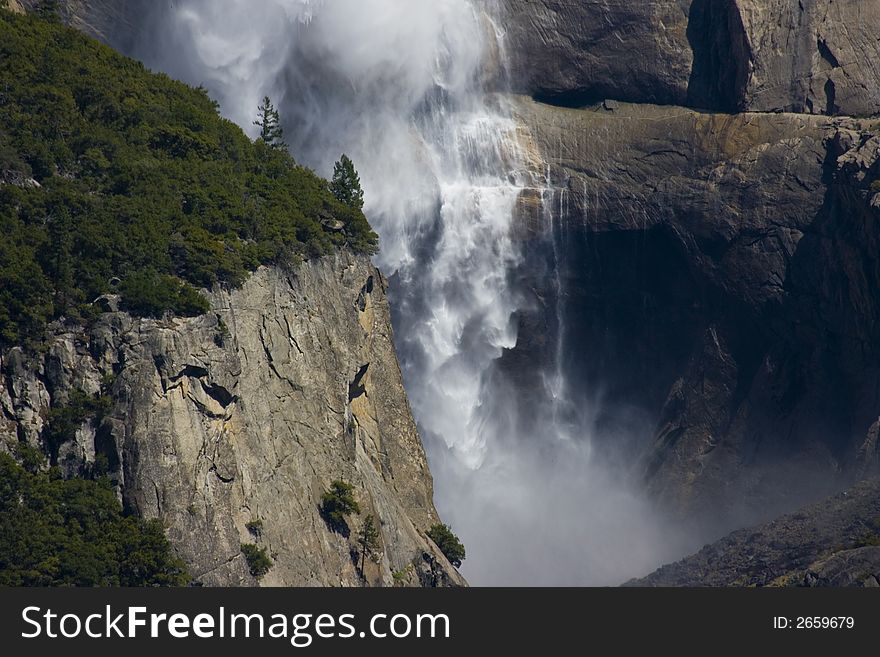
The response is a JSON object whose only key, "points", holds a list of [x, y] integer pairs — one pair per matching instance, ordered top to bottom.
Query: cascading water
{"points": [[399, 87]]}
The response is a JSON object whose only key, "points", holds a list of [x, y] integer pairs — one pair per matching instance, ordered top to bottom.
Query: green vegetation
{"points": [[269, 122], [112, 174], [346, 184], [222, 334], [65, 420], [31, 458], [337, 503], [255, 528], [56, 532], [368, 540], [448, 543], [257, 559], [401, 576]]}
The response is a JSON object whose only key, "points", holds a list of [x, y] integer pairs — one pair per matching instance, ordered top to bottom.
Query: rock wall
{"points": [[578, 51], [813, 56], [720, 287], [248, 413], [832, 543]]}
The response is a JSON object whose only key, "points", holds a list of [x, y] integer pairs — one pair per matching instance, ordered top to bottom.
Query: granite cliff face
{"points": [[813, 56], [715, 275], [719, 279], [248, 413]]}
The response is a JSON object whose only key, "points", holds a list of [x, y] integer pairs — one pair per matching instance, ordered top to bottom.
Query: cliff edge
{"points": [[245, 415]]}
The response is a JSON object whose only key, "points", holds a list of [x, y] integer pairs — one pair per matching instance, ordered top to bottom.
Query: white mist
{"points": [[397, 85]]}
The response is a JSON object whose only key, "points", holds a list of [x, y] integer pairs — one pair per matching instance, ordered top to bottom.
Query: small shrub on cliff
{"points": [[31, 458], [337, 503], [255, 528], [448, 543], [257, 558]]}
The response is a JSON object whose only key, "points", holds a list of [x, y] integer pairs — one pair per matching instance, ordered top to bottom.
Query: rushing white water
{"points": [[398, 86]]}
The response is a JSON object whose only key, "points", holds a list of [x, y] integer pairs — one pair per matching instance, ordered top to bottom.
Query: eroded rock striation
{"points": [[814, 56], [247, 414]]}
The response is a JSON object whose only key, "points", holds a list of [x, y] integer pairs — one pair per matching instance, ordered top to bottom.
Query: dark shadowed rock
{"points": [[580, 51], [814, 56], [720, 286], [831, 543]]}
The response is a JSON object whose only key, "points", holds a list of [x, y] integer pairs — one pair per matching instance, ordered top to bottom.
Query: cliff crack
{"points": [[826, 54], [366, 290], [290, 335], [271, 361], [356, 388], [228, 479]]}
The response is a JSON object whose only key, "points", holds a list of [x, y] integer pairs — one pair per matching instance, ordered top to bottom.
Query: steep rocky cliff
{"points": [[814, 56], [715, 276], [719, 279], [247, 414]]}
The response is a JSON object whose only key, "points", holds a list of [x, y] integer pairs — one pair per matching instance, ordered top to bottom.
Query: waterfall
{"points": [[401, 88]]}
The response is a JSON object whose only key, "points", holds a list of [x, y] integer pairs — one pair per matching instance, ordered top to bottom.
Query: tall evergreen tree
{"points": [[269, 123], [346, 184], [368, 539]]}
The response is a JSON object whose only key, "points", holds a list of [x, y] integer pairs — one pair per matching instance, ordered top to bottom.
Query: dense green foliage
{"points": [[111, 173], [337, 503], [56, 532], [448, 543], [257, 559]]}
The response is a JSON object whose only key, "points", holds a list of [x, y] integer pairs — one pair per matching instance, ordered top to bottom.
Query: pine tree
{"points": [[269, 123], [346, 184], [337, 503], [368, 539], [448, 543]]}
